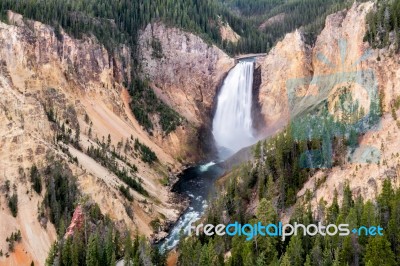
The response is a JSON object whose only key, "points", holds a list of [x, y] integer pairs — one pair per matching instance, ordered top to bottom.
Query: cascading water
{"points": [[232, 124], [232, 130]]}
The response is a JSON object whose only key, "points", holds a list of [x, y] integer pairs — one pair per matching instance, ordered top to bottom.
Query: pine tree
{"points": [[347, 199], [384, 201], [333, 210], [266, 212], [110, 249], [92, 251], [295, 251], [378, 252], [128, 253], [52, 254], [65, 255], [285, 261], [308, 261], [336, 261]]}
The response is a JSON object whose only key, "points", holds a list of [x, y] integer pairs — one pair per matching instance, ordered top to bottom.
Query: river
{"points": [[232, 131]]}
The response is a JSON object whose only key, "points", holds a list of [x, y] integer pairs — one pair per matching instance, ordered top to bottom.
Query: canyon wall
{"points": [[339, 49], [187, 72]]}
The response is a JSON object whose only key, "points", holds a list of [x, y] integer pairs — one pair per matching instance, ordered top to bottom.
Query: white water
{"points": [[232, 124], [205, 167], [183, 224], [181, 227]]}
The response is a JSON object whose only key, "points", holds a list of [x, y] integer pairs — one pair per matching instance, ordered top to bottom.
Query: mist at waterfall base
{"points": [[232, 124], [232, 131]]}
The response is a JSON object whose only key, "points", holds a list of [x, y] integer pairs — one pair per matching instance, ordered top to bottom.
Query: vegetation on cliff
{"points": [[275, 18], [114, 22], [145, 105]]}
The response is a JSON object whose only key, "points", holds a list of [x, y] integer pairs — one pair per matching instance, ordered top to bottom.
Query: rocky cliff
{"points": [[339, 49], [290, 58], [186, 72]]}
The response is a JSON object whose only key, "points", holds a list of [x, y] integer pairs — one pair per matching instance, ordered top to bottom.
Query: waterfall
{"points": [[232, 124], [232, 130]]}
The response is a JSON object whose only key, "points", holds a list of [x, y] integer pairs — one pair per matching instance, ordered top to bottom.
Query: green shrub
{"points": [[145, 103], [147, 155], [35, 179], [125, 192], [13, 204]]}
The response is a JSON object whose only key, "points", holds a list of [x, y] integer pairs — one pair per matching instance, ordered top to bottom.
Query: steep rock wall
{"points": [[339, 48], [187, 74], [83, 84]]}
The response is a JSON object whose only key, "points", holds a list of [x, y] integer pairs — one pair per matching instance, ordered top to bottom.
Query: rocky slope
{"points": [[227, 33], [339, 49], [290, 58], [186, 73], [82, 84], [365, 178]]}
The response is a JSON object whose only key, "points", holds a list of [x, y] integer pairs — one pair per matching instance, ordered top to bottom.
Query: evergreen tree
{"points": [[295, 251], [378, 252], [92, 253]]}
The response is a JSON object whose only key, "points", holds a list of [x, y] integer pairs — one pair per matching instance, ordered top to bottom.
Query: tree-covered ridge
{"points": [[252, 8], [307, 14], [119, 21], [114, 22], [383, 25], [281, 166], [304, 250]]}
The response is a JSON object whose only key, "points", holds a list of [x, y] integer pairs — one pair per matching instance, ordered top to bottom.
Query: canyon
{"points": [[83, 84], [86, 86]]}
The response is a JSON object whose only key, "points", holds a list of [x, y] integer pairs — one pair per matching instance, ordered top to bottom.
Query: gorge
{"points": [[232, 129], [130, 137]]}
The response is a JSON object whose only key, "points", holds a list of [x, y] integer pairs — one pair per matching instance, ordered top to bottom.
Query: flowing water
{"points": [[232, 131], [197, 184]]}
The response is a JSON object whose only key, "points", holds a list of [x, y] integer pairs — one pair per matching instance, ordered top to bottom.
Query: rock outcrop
{"points": [[227, 33], [339, 48], [289, 59], [186, 73], [77, 221]]}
